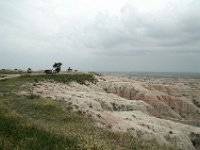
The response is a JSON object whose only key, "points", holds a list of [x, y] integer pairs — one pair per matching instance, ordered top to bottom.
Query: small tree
{"points": [[57, 67]]}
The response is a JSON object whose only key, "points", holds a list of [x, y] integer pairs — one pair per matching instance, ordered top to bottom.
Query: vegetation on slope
{"points": [[32, 122]]}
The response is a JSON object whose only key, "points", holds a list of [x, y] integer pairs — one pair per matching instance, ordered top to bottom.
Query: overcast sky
{"points": [[101, 35]]}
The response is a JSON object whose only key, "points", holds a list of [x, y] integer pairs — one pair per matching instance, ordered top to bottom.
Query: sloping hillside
{"points": [[109, 103], [31, 119]]}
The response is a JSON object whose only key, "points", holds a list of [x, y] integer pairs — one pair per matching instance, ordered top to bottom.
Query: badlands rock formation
{"points": [[167, 100], [146, 108]]}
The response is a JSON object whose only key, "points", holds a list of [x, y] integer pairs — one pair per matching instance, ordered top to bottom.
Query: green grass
{"points": [[64, 78], [8, 85], [32, 122], [14, 135]]}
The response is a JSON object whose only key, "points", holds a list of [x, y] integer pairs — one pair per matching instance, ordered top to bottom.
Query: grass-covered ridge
{"points": [[64, 78], [8, 85], [37, 123]]}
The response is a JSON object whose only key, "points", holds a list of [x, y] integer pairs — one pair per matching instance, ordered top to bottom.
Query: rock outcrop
{"points": [[163, 103]]}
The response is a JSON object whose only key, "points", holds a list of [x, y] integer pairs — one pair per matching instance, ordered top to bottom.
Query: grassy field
{"points": [[34, 123]]}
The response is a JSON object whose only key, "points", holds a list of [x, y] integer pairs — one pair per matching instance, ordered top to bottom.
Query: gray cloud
{"points": [[134, 32], [95, 36]]}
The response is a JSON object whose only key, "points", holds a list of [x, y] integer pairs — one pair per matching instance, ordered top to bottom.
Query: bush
{"points": [[33, 96]]}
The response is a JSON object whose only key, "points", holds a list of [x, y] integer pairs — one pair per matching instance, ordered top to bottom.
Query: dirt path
{"points": [[9, 76]]}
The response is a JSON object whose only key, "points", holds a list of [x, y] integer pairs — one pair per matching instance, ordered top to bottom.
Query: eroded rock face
{"points": [[169, 90], [165, 104], [129, 106]]}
